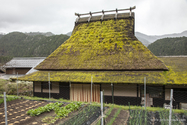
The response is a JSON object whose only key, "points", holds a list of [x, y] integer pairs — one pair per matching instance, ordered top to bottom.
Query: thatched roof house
{"points": [[105, 48]]}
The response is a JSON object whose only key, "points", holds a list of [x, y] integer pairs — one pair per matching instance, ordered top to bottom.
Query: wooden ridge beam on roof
{"points": [[131, 8], [103, 12]]}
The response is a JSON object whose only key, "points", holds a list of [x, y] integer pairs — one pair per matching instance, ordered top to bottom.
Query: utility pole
{"points": [[17, 83], [145, 92], [5, 106], [170, 112], [102, 120]]}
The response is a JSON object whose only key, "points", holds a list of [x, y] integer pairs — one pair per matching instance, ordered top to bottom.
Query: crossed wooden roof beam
{"points": [[103, 13]]}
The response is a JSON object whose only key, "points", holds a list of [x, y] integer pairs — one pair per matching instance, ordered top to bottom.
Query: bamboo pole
{"points": [[49, 85]]}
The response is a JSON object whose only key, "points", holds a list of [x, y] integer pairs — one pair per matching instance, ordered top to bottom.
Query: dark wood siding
{"points": [[17, 70], [64, 92], [123, 100]]}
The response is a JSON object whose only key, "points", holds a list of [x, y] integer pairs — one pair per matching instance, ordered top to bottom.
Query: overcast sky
{"points": [[152, 17]]}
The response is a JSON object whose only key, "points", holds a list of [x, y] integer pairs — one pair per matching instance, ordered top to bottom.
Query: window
{"points": [[45, 85], [153, 91]]}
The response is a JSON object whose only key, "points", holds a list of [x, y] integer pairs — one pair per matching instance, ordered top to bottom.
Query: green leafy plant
{"points": [[46, 108], [64, 111]]}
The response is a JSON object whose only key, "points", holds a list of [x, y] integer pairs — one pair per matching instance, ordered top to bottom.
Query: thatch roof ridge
{"points": [[105, 17]]}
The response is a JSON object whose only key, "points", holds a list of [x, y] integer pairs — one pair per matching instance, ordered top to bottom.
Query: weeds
{"points": [[8, 99]]}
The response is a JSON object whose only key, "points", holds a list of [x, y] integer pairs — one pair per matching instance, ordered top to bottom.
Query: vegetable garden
{"points": [[16, 111], [21, 111], [86, 116], [144, 117]]}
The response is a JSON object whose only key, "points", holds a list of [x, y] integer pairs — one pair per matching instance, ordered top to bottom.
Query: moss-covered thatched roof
{"points": [[103, 45], [177, 63], [177, 74]]}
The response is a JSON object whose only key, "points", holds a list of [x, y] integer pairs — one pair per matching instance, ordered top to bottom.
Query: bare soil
{"points": [[16, 112], [121, 119]]}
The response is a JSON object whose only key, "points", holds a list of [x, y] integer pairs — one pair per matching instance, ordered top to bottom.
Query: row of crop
{"points": [[46, 108], [60, 111], [64, 111], [107, 114], [115, 115], [84, 116], [137, 117], [141, 117], [113, 118], [164, 118]]}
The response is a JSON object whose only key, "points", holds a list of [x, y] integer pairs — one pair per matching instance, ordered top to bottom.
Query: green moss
{"points": [[102, 45], [177, 74], [108, 77]]}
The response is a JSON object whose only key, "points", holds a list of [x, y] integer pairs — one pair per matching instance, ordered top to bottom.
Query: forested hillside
{"points": [[1, 35], [17, 44], [169, 46]]}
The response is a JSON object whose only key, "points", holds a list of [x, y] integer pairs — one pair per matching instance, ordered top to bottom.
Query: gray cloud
{"points": [[57, 16]]}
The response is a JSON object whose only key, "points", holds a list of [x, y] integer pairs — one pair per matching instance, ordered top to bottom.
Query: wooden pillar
{"points": [[137, 94]]}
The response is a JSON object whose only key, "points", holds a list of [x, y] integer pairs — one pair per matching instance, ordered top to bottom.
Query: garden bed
{"points": [[16, 111], [85, 116], [116, 117], [143, 117]]}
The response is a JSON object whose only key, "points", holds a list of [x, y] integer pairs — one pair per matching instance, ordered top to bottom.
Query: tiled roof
{"points": [[24, 62]]}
